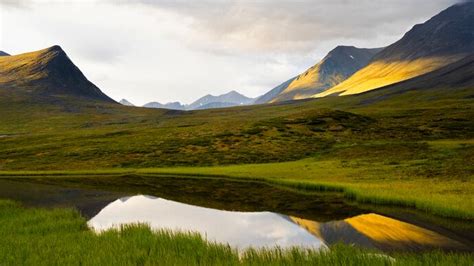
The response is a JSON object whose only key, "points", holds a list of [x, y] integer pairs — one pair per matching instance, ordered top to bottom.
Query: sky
{"points": [[180, 50]]}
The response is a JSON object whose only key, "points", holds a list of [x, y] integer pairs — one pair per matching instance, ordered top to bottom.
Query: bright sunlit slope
{"points": [[444, 39], [338, 65]]}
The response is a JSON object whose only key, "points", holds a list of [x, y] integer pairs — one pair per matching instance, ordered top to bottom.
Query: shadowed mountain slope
{"points": [[444, 39], [2, 53], [338, 65], [43, 74], [267, 97]]}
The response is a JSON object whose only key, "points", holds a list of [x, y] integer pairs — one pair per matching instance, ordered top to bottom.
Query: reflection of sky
{"points": [[239, 229]]}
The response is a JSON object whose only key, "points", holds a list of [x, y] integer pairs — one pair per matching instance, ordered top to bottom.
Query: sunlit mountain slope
{"points": [[444, 39]]}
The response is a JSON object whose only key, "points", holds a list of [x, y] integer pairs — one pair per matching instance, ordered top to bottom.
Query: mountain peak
{"points": [[446, 34], [444, 39], [55, 48], [342, 48], [339, 64], [46, 72], [233, 93], [231, 98], [126, 102]]}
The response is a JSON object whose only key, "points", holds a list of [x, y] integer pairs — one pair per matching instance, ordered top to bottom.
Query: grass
{"points": [[412, 149], [386, 173], [61, 237]]}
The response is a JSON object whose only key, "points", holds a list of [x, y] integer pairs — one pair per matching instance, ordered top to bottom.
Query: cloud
{"points": [[288, 26]]}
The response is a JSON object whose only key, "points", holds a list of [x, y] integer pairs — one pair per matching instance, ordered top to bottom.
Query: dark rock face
{"points": [[448, 33], [344, 61]]}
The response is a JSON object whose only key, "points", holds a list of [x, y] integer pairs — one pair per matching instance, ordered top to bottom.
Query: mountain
{"points": [[442, 40], [2, 53], [338, 65], [45, 74], [455, 80], [267, 97], [232, 98], [126, 103], [215, 105], [172, 106]]}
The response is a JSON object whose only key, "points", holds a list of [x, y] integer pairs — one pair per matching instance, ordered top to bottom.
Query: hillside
{"points": [[444, 39], [2, 53], [338, 65], [40, 75], [455, 80], [272, 94], [394, 121]]}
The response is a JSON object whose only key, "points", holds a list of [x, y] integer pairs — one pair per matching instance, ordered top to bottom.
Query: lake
{"points": [[241, 214]]}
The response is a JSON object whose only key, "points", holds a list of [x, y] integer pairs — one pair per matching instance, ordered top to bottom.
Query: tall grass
{"points": [[61, 237]]}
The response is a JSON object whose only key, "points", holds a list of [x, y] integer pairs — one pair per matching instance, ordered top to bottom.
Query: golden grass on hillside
{"points": [[28, 64], [379, 74], [302, 86]]}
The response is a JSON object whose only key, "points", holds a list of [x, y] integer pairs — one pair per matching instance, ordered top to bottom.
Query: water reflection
{"points": [[239, 229], [267, 229], [380, 232]]}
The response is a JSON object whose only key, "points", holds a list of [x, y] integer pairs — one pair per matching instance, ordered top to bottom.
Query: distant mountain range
{"points": [[2, 53], [232, 98], [229, 99]]}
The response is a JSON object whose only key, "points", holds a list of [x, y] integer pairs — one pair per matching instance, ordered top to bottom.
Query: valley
{"points": [[365, 158]]}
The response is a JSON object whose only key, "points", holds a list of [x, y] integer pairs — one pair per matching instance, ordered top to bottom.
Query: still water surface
{"points": [[281, 218]]}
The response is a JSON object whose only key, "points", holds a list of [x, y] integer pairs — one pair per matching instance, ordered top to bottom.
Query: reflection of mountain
{"points": [[238, 229], [377, 231]]}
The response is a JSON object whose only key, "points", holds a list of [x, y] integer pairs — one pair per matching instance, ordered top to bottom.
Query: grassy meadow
{"points": [[414, 149], [440, 182], [61, 237]]}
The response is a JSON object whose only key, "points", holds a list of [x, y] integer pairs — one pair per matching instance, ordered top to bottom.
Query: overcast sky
{"points": [[181, 50]]}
